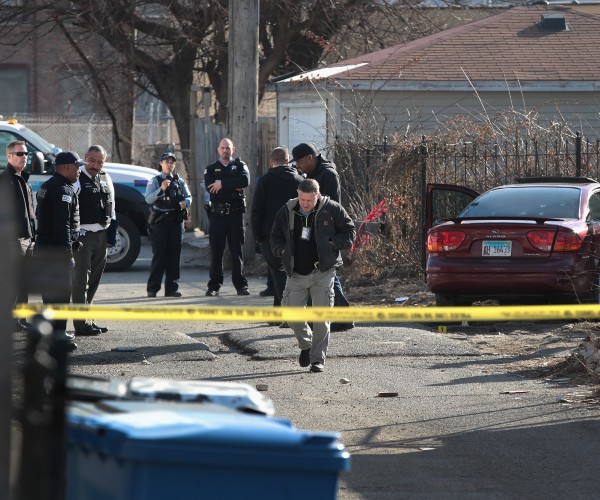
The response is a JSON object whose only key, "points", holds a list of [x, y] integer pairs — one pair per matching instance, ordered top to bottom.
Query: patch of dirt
{"points": [[532, 348]]}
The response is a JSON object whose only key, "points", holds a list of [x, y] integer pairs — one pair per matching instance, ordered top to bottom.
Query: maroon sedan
{"points": [[538, 239]]}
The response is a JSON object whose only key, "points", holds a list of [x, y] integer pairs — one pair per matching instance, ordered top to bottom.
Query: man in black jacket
{"points": [[312, 163], [17, 178], [273, 190], [57, 215], [308, 233]]}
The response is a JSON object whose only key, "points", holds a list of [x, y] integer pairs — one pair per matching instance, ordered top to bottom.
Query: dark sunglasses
{"points": [[20, 153]]}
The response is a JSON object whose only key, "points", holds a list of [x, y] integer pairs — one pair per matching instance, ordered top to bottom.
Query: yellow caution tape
{"points": [[440, 315]]}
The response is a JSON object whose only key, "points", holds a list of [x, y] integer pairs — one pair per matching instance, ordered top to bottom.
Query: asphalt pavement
{"points": [[423, 414]]}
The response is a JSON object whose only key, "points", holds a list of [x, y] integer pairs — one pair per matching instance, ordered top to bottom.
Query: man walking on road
{"points": [[312, 163], [225, 180], [273, 190], [96, 196], [308, 233]]}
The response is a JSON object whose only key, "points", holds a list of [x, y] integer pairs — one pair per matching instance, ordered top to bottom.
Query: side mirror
{"points": [[37, 163]]}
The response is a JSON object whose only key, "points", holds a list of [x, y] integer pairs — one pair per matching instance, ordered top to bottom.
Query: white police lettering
{"points": [[66, 198]]}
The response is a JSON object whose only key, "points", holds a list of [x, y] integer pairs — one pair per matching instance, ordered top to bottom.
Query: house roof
{"points": [[512, 46]]}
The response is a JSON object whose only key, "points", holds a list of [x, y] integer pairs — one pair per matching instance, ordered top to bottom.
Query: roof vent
{"points": [[554, 22]]}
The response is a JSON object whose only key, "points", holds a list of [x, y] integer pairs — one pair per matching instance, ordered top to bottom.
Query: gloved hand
{"points": [[111, 233], [76, 246]]}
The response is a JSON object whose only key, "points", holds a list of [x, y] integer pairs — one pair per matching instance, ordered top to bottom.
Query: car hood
{"points": [[121, 172]]}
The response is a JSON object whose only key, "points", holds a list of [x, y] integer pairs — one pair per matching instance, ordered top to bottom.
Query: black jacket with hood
{"points": [[326, 175], [273, 190]]}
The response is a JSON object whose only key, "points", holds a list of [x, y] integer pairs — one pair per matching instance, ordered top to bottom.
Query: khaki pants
{"points": [[319, 287]]}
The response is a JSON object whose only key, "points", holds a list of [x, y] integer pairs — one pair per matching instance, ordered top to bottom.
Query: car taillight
{"points": [[541, 240], [444, 241], [566, 241], [569, 241]]}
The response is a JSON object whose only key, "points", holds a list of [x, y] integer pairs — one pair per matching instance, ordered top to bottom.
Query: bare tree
{"points": [[167, 43]]}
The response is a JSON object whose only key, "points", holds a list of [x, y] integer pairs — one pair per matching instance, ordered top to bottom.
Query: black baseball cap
{"points": [[303, 149], [168, 154], [68, 158]]}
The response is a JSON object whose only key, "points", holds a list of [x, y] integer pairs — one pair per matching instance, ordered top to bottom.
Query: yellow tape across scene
{"points": [[438, 315]]}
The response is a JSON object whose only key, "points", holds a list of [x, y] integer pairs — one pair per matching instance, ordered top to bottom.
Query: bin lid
{"points": [[232, 394], [239, 396], [213, 438]]}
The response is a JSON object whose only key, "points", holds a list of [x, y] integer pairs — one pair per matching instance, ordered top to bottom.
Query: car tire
{"points": [[127, 248], [593, 297], [444, 300], [451, 300]]}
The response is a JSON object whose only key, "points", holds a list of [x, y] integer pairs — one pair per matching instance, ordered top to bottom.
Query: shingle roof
{"points": [[508, 46]]}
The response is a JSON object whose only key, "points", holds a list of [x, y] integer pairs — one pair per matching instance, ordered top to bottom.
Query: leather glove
{"points": [[76, 246]]}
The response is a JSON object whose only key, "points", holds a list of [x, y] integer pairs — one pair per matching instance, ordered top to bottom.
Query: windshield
{"points": [[49, 148], [534, 201]]}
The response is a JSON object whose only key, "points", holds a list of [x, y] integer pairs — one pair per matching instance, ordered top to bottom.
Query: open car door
{"points": [[444, 201]]}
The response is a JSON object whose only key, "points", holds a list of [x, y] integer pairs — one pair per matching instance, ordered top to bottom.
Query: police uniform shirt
{"points": [[234, 177], [111, 189], [154, 192], [57, 214]]}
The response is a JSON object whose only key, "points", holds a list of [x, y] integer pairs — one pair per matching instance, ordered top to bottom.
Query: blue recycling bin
{"points": [[144, 451]]}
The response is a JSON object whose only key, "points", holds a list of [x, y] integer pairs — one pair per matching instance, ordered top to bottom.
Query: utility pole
{"points": [[243, 92], [193, 169]]}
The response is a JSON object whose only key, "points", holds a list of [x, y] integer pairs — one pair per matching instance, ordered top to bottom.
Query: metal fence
{"points": [[78, 134], [482, 165], [486, 165]]}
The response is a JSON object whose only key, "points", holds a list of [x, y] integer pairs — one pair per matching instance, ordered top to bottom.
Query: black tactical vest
{"points": [[173, 195], [95, 200]]}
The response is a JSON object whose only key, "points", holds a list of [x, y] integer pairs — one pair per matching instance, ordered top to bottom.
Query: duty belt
{"points": [[226, 208], [164, 210]]}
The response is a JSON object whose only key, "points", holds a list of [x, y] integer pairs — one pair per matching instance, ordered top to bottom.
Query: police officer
{"points": [[17, 178], [225, 180], [96, 195], [170, 198], [57, 216]]}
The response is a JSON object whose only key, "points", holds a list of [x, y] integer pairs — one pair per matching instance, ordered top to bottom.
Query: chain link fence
{"points": [[77, 134]]}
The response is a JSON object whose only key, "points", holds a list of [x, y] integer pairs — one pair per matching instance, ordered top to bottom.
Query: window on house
{"points": [[14, 90], [76, 96]]}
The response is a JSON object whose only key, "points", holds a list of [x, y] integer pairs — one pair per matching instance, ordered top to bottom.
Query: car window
{"points": [[5, 139], [533, 201], [447, 204], [595, 206]]}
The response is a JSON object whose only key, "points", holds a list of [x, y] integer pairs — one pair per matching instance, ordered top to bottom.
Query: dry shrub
{"points": [[476, 155]]}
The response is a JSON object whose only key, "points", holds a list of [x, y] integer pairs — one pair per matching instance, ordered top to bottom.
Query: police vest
{"points": [[172, 197], [95, 200], [49, 203]]}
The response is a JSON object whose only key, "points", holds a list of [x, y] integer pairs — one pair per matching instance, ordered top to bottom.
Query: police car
{"points": [[129, 180]]}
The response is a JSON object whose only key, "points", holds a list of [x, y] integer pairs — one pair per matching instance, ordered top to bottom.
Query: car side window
{"points": [[5, 139], [594, 205]]}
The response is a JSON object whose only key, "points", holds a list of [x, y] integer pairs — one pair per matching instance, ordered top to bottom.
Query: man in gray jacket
{"points": [[308, 234]]}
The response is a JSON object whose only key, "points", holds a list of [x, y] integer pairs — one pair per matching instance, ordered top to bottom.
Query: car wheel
{"points": [[127, 247], [594, 295], [445, 300]]}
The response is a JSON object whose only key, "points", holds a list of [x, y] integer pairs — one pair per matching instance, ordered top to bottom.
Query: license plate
{"points": [[496, 249]]}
